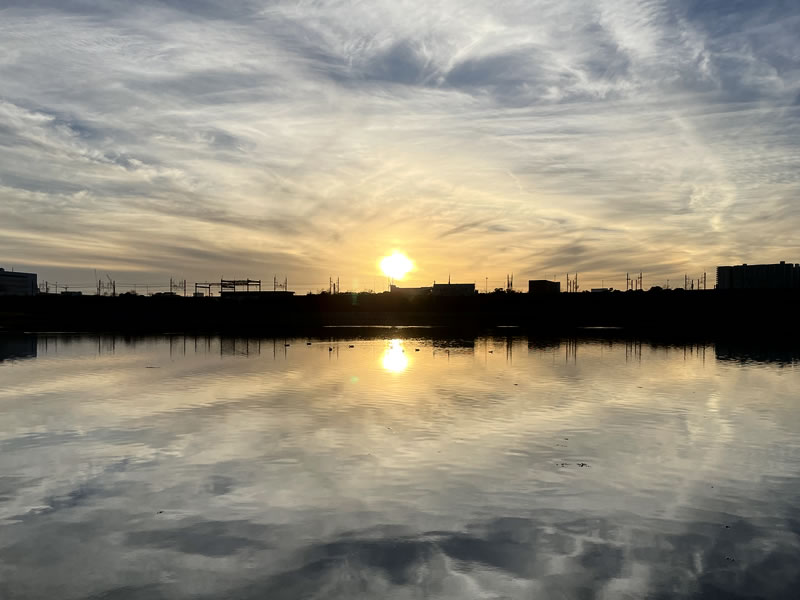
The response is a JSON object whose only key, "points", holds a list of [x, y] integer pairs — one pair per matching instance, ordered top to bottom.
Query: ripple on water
{"points": [[249, 468]]}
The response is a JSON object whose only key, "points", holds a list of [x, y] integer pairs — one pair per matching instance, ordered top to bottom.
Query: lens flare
{"points": [[397, 265]]}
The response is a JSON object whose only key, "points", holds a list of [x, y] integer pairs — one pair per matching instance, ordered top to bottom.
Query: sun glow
{"points": [[397, 265], [394, 357]]}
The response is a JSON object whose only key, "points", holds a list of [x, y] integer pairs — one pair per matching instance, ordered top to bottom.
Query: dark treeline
{"points": [[728, 313]]}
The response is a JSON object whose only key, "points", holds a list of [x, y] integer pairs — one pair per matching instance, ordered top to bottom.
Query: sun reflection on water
{"points": [[395, 358]]}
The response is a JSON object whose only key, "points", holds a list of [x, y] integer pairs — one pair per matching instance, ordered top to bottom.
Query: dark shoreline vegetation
{"points": [[730, 314]]}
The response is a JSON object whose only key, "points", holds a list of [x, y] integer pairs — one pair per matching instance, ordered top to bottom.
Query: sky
{"points": [[201, 139]]}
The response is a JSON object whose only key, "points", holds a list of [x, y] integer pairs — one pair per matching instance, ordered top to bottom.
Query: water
{"points": [[182, 467]]}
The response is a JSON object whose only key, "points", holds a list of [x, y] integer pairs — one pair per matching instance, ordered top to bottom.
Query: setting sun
{"points": [[397, 265]]}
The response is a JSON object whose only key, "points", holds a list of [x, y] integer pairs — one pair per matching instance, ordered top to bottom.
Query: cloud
{"points": [[307, 138]]}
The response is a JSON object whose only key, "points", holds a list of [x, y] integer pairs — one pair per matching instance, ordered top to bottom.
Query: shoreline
{"points": [[697, 314]]}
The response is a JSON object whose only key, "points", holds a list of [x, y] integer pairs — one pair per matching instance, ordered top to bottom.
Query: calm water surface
{"points": [[391, 466]]}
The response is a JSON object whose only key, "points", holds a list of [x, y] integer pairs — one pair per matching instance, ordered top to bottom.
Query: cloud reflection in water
{"points": [[265, 473]]}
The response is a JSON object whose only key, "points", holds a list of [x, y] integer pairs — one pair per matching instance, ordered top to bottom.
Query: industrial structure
{"points": [[779, 276], [14, 283], [226, 286], [540, 287], [437, 289], [453, 289], [410, 291]]}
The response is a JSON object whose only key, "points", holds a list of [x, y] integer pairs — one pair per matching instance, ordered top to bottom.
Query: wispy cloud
{"points": [[307, 138]]}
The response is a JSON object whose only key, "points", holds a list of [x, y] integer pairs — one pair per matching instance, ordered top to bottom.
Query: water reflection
{"points": [[17, 347], [785, 354], [395, 358], [505, 467]]}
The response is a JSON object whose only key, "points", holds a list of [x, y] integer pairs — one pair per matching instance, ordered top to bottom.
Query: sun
{"points": [[397, 265]]}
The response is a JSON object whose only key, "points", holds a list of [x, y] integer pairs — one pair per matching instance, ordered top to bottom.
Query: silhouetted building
{"points": [[759, 277], [13, 283], [543, 286], [453, 289], [410, 291]]}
